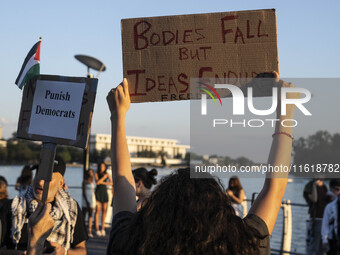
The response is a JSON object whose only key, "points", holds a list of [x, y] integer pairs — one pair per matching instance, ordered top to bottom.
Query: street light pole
{"points": [[98, 65]]}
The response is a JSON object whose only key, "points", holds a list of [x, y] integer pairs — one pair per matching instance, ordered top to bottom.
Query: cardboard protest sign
{"points": [[162, 54], [57, 110]]}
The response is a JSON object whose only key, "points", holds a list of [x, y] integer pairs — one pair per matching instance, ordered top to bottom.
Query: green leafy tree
{"points": [[322, 147], [22, 152], [104, 153], [76, 154], [146, 154], [3, 155], [65, 155], [94, 156], [192, 156], [228, 161], [243, 161]]}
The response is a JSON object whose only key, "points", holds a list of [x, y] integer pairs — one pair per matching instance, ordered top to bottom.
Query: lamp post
{"points": [[99, 66]]}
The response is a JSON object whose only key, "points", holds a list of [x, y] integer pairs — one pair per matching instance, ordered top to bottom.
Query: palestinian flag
{"points": [[30, 67]]}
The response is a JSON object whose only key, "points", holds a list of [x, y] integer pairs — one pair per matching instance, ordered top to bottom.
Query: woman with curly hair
{"points": [[191, 216]]}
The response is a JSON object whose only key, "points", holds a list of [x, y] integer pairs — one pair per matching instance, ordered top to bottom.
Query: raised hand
{"points": [[118, 100]]}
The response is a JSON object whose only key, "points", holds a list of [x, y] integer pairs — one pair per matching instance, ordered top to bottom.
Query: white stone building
{"points": [[138, 144]]}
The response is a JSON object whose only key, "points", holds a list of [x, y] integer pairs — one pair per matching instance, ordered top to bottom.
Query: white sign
{"points": [[56, 109]]}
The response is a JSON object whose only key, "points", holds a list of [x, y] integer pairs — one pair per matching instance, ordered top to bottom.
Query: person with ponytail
{"points": [[144, 180]]}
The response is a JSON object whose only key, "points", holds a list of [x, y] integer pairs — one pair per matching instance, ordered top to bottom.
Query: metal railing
{"points": [[286, 228], [286, 238]]}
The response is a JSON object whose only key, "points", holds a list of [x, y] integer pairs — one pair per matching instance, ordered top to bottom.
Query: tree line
{"points": [[320, 148], [19, 151], [225, 160]]}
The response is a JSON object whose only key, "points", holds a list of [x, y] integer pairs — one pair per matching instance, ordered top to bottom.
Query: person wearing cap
{"points": [[68, 234]]}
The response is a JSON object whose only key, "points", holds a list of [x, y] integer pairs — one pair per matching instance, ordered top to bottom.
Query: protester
{"points": [[2, 178], [24, 180], [102, 180], [144, 180], [109, 188], [334, 189], [3, 192], [236, 194], [315, 194], [89, 199], [4, 202], [187, 215], [40, 224], [329, 231], [68, 233]]}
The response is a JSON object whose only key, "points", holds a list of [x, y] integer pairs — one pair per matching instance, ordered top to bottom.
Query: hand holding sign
{"points": [[289, 98], [40, 225]]}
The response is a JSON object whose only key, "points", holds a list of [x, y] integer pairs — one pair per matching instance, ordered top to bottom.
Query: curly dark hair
{"points": [[187, 216]]}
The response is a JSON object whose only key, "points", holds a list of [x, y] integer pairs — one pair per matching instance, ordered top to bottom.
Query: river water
{"points": [[73, 177]]}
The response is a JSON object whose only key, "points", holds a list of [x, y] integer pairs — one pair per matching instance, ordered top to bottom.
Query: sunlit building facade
{"points": [[139, 146]]}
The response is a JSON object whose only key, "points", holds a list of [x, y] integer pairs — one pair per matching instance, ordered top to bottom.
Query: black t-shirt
{"points": [[3, 202], [5, 207], [122, 219], [257, 223], [79, 234]]}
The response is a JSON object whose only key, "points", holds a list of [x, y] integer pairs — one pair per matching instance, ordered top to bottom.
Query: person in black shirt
{"points": [[316, 196], [68, 235]]}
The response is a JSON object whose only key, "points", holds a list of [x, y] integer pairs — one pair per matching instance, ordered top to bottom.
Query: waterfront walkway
{"points": [[97, 245]]}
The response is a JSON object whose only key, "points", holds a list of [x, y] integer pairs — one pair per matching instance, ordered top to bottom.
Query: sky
{"points": [[308, 42]]}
